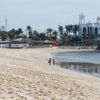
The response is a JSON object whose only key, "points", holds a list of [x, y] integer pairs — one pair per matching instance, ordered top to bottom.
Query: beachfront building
{"points": [[88, 28], [12, 44]]}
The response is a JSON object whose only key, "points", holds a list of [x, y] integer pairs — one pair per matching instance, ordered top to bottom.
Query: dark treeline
{"points": [[65, 35]]}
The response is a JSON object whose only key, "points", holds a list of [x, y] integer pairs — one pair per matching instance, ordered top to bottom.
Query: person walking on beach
{"points": [[49, 61], [53, 62]]}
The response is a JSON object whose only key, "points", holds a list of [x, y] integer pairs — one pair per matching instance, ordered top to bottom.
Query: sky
{"points": [[42, 14]]}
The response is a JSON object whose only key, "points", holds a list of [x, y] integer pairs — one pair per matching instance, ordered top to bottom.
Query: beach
{"points": [[26, 75]]}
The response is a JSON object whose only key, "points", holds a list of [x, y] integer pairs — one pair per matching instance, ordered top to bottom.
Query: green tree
{"points": [[68, 28], [61, 29], [75, 29], [29, 31], [49, 31], [18, 32], [11, 34], [3, 35], [35, 35], [54, 35], [42, 36], [64, 38], [75, 40]]}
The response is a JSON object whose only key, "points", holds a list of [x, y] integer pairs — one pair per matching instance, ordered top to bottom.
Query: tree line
{"points": [[65, 35]]}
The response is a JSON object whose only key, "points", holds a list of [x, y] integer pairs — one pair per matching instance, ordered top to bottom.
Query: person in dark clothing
{"points": [[49, 61], [53, 61]]}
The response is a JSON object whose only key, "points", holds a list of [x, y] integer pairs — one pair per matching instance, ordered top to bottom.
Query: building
{"points": [[88, 28], [12, 44]]}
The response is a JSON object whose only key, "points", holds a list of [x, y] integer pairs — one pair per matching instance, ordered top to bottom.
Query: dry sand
{"points": [[26, 75]]}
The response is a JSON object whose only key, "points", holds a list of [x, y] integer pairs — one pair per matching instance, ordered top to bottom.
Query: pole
{"points": [[5, 23]]}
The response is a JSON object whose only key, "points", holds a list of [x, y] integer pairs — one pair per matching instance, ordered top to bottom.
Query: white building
{"points": [[88, 28]]}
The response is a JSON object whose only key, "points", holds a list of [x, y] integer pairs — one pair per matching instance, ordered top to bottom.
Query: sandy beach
{"points": [[26, 75]]}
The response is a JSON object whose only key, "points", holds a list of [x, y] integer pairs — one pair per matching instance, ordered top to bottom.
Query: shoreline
{"points": [[82, 67], [26, 74]]}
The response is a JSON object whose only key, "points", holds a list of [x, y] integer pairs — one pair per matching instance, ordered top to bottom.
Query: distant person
{"points": [[49, 61], [53, 62]]}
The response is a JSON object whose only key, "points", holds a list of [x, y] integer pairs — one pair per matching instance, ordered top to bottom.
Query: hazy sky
{"points": [[41, 14]]}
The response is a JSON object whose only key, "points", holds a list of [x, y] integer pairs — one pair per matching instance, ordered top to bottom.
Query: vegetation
{"points": [[67, 35]]}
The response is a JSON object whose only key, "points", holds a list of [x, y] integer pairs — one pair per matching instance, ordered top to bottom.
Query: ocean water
{"points": [[89, 57], [84, 62]]}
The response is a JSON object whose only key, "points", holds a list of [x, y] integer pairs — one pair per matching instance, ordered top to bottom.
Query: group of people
{"points": [[51, 61]]}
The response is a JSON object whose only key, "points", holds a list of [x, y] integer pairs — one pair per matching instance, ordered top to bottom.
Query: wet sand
{"points": [[26, 75]]}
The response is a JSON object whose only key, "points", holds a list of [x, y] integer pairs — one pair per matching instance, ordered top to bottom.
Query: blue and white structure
{"points": [[88, 28]]}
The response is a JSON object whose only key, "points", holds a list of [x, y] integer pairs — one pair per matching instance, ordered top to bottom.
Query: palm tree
{"points": [[29, 28], [60, 28], [68, 28], [75, 29], [28, 31], [49, 31], [18, 32], [11, 34], [54, 34], [3, 35], [35, 35], [42, 36], [64, 38]]}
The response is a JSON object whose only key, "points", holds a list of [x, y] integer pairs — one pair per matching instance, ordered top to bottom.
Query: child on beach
{"points": [[51, 61]]}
